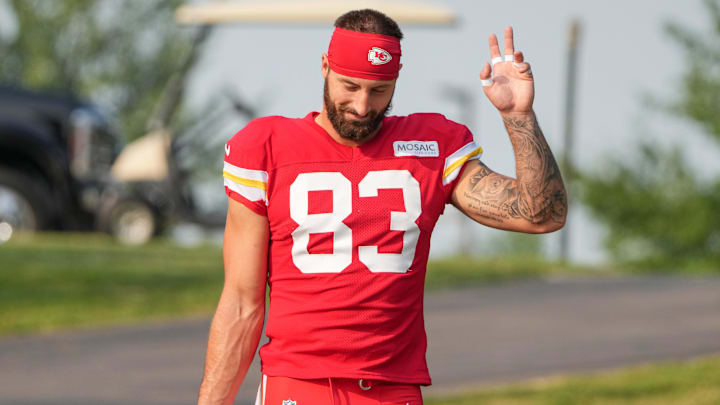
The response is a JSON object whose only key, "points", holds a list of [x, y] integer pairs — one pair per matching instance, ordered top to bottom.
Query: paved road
{"points": [[477, 336]]}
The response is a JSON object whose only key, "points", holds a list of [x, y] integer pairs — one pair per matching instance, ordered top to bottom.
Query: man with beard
{"points": [[334, 212]]}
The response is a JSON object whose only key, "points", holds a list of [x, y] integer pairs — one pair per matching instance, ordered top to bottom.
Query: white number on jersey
{"points": [[341, 190], [399, 221], [325, 222]]}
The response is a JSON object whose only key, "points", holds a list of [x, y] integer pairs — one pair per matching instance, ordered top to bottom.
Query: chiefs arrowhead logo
{"points": [[378, 56], [227, 150]]}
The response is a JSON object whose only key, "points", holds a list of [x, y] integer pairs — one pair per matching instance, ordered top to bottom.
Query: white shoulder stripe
{"points": [[454, 162], [258, 175], [251, 184], [251, 193]]}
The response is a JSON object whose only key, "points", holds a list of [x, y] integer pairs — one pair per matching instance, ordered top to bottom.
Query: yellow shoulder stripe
{"points": [[461, 161], [245, 182]]}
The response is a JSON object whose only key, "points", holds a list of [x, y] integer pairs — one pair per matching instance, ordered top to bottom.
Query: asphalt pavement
{"points": [[477, 336]]}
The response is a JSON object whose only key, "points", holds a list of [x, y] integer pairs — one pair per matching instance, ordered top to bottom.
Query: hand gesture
{"points": [[508, 83]]}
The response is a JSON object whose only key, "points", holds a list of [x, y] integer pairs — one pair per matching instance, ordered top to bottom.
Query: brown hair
{"points": [[369, 21]]}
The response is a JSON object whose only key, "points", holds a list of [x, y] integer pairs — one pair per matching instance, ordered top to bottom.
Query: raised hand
{"points": [[508, 82]]}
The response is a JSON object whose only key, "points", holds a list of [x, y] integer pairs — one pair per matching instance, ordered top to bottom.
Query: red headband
{"points": [[367, 56]]}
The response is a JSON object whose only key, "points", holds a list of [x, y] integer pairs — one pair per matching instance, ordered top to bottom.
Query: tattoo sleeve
{"points": [[537, 195]]}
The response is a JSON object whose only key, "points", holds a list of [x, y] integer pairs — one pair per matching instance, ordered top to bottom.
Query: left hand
{"points": [[513, 87]]}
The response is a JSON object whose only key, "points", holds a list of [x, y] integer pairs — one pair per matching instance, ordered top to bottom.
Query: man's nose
{"points": [[361, 103]]}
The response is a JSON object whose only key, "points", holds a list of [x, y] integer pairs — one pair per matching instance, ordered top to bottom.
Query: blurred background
{"points": [[113, 116]]}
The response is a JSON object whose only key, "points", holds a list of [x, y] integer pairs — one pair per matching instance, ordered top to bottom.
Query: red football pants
{"points": [[336, 391]]}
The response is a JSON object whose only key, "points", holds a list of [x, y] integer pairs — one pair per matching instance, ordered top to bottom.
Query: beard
{"points": [[355, 130]]}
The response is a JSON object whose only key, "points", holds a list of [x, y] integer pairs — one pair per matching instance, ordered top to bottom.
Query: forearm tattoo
{"points": [[537, 195]]}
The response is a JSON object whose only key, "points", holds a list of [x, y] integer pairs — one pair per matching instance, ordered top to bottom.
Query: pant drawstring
{"points": [[332, 391]]}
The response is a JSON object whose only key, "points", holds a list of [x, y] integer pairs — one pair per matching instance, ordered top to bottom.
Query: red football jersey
{"points": [[349, 239]]}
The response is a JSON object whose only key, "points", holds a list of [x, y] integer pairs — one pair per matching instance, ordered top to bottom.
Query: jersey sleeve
{"points": [[461, 149], [246, 167]]}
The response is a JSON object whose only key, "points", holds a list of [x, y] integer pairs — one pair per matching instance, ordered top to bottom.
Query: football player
{"points": [[333, 211]]}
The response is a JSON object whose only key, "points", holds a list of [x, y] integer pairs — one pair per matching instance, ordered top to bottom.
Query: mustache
{"points": [[368, 115]]}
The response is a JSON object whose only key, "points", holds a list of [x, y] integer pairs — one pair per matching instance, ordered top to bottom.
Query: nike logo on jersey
{"points": [[416, 148], [227, 150]]}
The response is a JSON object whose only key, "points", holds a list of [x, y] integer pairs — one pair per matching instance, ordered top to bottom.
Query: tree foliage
{"points": [[119, 53], [700, 94], [658, 214]]}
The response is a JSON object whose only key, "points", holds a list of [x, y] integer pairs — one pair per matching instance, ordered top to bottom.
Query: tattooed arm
{"points": [[535, 202]]}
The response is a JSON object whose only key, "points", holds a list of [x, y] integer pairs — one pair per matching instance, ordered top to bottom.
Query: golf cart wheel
{"points": [[131, 221]]}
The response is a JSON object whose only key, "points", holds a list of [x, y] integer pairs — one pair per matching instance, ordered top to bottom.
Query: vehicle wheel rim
{"points": [[16, 213]]}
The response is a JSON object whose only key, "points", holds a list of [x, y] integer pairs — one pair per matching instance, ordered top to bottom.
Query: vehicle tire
{"points": [[23, 200], [130, 221]]}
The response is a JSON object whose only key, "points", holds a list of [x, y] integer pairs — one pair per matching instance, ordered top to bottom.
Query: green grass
{"points": [[460, 271], [53, 281], [60, 281], [695, 382]]}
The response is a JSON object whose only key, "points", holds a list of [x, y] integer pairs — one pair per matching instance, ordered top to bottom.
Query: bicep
{"points": [[491, 199], [245, 250]]}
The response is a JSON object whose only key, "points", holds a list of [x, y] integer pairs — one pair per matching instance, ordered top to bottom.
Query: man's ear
{"points": [[324, 65]]}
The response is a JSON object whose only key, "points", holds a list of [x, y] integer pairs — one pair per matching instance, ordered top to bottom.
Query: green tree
{"points": [[118, 53], [659, 215]]}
